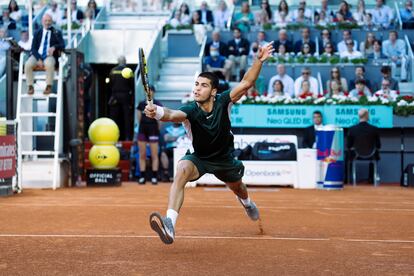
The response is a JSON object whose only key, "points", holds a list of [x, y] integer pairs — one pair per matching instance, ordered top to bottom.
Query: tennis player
{"points": [[207, 122]]}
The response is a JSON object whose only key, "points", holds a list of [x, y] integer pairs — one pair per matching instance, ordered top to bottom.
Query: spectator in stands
{"points": [[93, 8], [325, 10], [14, 11], [344, 11], [56, 13], [307, 13], [77, 14], [185, 14], [407, 14], [206, 15], [264, 15], [360, 15], [382, 15], [221, 16], [282, 16], [89, 18], [300, 18], [195, 19], [244, 19], [321, 19], [176, 21], [7, 22], [369, 24], [346, 35], [325, 38], [261, 39], [305, 39], [283, 40], [47, 42], [216, 42], [25, 43], [4, 47], [367, 47], [395, 49], [328, 50], [238, 51], [305, 51], [376, 51], [282, 52], [350, 53], [218, 64], [359, 74], [386, 74], [306, 75], [341, 82], [288, 84], [278, 89], [335, 89], [360, 89], [305, 90], [386, 91], [148, 133], [172, 133], [309, 135]]}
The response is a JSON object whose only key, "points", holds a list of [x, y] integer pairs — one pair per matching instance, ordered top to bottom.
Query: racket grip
{"points": [[150, 103]]}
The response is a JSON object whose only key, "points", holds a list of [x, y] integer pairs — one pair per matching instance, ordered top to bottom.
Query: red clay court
{"points": [[105, 231]]}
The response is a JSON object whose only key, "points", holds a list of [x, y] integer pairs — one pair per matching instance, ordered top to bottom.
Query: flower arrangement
{"points": [[301, 59]]}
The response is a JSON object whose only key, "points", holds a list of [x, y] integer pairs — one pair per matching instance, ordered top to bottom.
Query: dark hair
{"points": [[280, 6], [10, 8], [268, 9], [395, 32], [362, 67], [386, 69], [214, 80], [360, 81], [281, 84], [152, 88], [317, 112]]}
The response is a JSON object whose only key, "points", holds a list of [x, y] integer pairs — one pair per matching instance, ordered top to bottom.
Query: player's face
{"points": [[203, 91]]}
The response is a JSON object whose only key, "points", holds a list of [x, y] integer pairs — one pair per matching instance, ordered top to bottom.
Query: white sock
{"points": [[246, 202], [173, 215]]}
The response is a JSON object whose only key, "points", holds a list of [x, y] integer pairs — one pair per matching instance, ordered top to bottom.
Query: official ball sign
{"points": [[7, 156]]}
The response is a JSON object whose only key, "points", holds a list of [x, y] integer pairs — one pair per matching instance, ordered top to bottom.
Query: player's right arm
{"points": [[169, 115]]}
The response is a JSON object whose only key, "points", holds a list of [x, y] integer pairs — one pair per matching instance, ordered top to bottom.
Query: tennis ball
{"points": [[127, 73], [103, 131], [104, 156]]}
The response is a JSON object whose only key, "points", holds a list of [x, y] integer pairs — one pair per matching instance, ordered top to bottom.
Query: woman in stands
{"points": [[282, 11], [344, 11], [15, 12], [185, 14], [264, 16], [360, 16], [367, 47], [305, 50], [328, 50], [281, 51], [336, 77], [335, 88], [278, 89], [305, 90]]}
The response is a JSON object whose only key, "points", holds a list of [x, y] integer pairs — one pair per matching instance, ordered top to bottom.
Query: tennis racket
{"points": [[143, 69]]}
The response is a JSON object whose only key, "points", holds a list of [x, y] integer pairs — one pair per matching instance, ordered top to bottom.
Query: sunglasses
{"points": [[305, 73]]}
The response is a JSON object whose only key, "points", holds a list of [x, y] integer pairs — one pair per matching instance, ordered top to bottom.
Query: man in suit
{"points": [[206, 15], [283, 39], [305, 39], [217, 43], [45, 50], [238, 52], [309, 140]]}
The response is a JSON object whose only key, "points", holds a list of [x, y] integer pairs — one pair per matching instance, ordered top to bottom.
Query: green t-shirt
{"points": [[210, 132]]}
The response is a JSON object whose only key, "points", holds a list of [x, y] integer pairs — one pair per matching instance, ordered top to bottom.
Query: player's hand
{"points": [[265, 52], [150, 111]]}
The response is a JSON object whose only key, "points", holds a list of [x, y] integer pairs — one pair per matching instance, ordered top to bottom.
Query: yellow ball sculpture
{"points": [[127, 73], [103, 131], [104, 156]]}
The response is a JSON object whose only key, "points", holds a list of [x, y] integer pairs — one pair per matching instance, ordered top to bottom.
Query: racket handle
{"points": [[150, 103]]}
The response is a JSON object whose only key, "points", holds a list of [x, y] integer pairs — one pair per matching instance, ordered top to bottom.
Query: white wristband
{"points": [[159, 113]]}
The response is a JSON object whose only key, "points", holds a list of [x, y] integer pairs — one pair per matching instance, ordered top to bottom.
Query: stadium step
{"points": [[186, 60], [173, 78], [175, 86], [406, 88]]}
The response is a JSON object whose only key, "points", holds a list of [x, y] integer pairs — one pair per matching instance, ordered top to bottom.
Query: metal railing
{"points": [[398, 14], [410, 56], [320, 84]]}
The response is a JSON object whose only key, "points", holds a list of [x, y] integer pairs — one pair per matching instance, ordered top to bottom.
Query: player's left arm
{"points": [[253, 73]]}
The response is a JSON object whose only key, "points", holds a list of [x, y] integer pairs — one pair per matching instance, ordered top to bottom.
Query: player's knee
{"points": [[185, 169]]}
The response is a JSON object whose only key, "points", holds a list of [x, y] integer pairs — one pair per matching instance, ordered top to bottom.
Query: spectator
{"points": [[93, 8], [325, 10], [14, 11], [344, 11], [56, 13], [307, 13], [77, 14], [185, 14], [282, 14], [407, 14], [206, 15], [382, 15], [221, 16], [264, 16], [360, 16], [300, 18], [195, 19], [244, 19], [321, 19], [176, 21], [7, 22], [369, 24], [346, 35], [325, 38], [261, 39], [305, 39], [283, 40], [47, 42], [25, 43], [217, 43], [4, 47], [367, 47], [328, 50], [395, 50], [305, 51], [377, 51], [238, 52], [282, 52], [350, 53], [218, 64], [359, 74], [386, 74], [306, 75], [341, 82], [288, 84], [278, 89], [335, 89], [360, 89], [306, 91], [386, 91], [148, 133], [172, 133], [309, 135], [364, 137]]}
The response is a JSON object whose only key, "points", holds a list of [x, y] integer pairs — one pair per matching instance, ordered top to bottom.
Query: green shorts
{"points": [[226, 169]]}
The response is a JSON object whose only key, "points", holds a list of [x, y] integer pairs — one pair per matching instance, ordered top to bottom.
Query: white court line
{"points": [[258, 238]]}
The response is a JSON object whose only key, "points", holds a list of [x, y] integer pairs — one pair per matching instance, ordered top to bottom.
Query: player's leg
{"points": [[155, 161], [240, 190]]}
